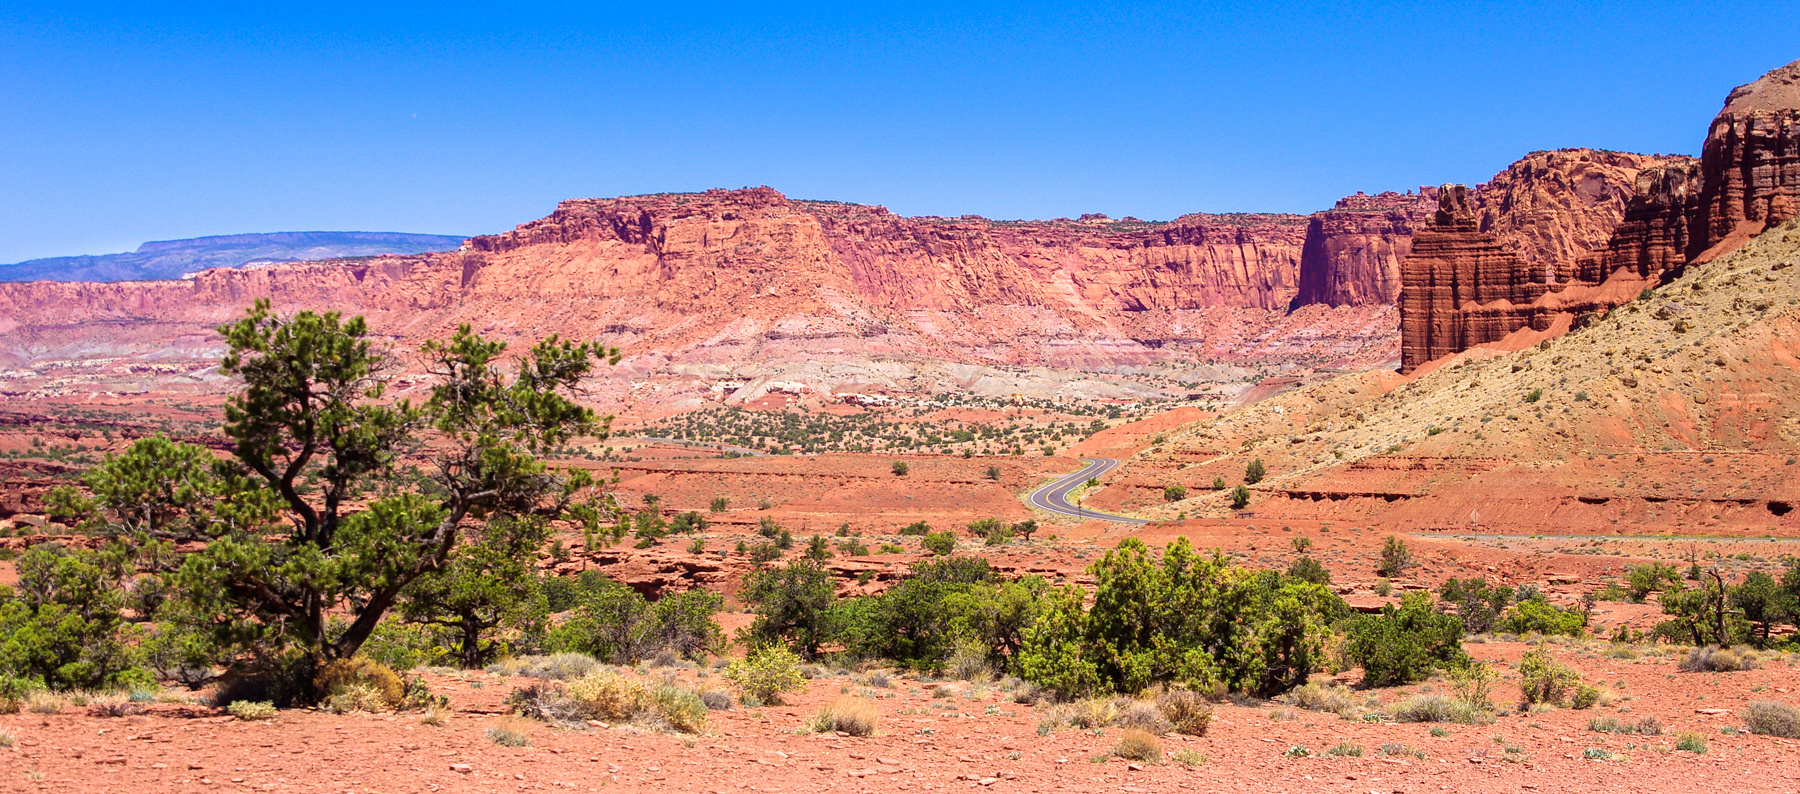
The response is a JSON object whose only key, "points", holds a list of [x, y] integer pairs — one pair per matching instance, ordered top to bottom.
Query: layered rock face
{"points": [[1751, 162], [1353, 250], [1595, 250], [726, 284]]}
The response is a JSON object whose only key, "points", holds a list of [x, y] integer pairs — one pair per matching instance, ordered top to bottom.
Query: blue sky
{"points": [[148, 121]]}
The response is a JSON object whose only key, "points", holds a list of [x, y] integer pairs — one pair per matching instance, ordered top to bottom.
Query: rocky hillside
{"points": [[1679, 212], [170, 259], [1674, 410]]}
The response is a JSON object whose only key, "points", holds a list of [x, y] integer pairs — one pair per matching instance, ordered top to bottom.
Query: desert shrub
{"points": [[900, 468], [1254, 472], [1174, 493], [1240, 497], [718, 504], [916, 528], [942, 544], [1396, 557], [1307, 569], [1642, 580], [792, 603], [1478, 604], [1538, 615], [1164, 621], [615, 623], [67, 626], [1402, 644], [1717, 660], [969, 662], [765, 674], [1543, 679], [1473, 682], [358, 684], [608, 696], [1585, 696], [356, 697], [716, 699], [42, 701], [549, 701], [1438, 708], [680, 709], [250, 710], [1187, 712], [847, 714], [1140, 715], [1772, 718], [1650, 726], [1691, 742], [1136, 745], [1346, 750], [1188, 757]]}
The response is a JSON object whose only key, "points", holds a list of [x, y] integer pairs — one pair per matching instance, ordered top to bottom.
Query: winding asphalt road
{"points": [[1054, 496]]}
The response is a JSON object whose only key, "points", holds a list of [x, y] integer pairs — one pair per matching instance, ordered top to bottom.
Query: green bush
{"points": [[900, 468], [1254, 472], [1174, 493], [1240, 498], [916, 528], [940, 543], [1396, 558], [1307, 569], [791, 603], [1477, 604], [1542, 617], [1166, 621], [616, 624], [1402, 644], [766, 674], [1543, 679], [251, 710]]}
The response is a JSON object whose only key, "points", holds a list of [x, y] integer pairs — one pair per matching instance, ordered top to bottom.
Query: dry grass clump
{"points": [[1718, 660], [554, 667], [358, 684], [607, 696], [358, 697], [716, 699], [1335, 699], [44, 702], [1438, 708], [251, 710], [1187, 712], [436, 714], [847, 714], [1139, 715], [1772, 718], [1648, 726], [509, 733], [1136, 745]]}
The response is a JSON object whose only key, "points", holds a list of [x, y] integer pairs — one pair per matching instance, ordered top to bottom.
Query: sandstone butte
{"points": [[1482, 274]]}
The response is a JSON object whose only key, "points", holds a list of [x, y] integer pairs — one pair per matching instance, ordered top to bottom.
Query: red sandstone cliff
{"points": [[1353, 250], [724, 280], [1460, 293]]}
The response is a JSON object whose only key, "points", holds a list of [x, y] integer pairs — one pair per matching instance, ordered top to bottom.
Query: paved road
{"points": [[1054, 496]]}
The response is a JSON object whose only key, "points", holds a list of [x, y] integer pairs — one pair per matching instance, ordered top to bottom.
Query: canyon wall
{"points": [[1579, 244], [728, 284]]}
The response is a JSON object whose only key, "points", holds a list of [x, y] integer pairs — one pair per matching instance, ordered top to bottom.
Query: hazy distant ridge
{"points": [[169, 259]]}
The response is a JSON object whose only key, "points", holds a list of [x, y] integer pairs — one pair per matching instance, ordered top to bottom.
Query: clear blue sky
{"points": [[139, 122]]}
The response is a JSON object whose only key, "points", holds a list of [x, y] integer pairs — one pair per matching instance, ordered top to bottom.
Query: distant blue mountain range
{"points": [[170, 259]]}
